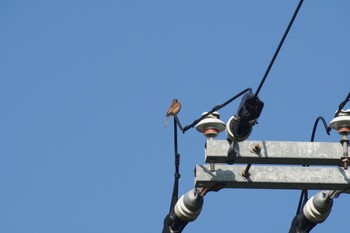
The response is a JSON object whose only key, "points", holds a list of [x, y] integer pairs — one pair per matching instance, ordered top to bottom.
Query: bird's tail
{"points": [[166, 121]]}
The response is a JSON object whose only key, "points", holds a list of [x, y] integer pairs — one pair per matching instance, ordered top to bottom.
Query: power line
{"points": [[278, 48], [342, 104], [214, 109], [304, 193]]}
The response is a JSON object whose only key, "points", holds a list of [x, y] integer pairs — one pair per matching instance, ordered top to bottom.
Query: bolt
{"points": [[256, 148], [345, 159], [212, 167], [246, 173]]}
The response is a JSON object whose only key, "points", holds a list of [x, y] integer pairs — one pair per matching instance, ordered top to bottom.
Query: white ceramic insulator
{"points": [[184, 213], [312, 214]]}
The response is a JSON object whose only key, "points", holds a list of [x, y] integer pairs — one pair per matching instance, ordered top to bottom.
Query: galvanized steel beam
{"points": [[274, 152], [273, 177]]}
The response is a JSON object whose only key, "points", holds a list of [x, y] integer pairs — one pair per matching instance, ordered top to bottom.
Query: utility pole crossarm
{"points": [[274, 152], [273, 177]]}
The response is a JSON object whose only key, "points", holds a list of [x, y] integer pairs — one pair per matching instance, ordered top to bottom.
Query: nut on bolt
{"points": [[256, 148]]}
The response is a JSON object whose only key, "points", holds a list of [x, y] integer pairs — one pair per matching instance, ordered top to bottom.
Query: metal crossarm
{"points": [[273, 152], [273, 177]]}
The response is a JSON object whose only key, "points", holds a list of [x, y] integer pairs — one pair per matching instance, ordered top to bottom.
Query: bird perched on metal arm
{"points": [[174, 109]]}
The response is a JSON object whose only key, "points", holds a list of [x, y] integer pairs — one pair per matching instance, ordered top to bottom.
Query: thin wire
{"points": [[279, 47], [342, 104], [216, 108], [315, 127], [304, 193], [332, 193], [175, 195]]}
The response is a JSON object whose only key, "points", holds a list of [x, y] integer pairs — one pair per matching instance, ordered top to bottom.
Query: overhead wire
{"points": [[278, 48], [342, 104], [214, 109], [177, 174], [304, 193]]}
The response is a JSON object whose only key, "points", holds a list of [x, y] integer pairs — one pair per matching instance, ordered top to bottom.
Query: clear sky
{"points": [[85, 85]]}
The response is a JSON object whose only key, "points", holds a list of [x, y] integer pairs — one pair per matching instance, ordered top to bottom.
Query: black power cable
{"points": [[278, 48], [342, 104], [216, 108], [315, 127], [304, 193], [175, 195]]}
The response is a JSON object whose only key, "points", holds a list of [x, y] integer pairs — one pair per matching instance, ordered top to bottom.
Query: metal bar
{"points": [[275, 152], [273, 177]]}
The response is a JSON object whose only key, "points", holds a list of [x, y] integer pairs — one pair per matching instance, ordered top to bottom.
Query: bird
{"points": [[174, 109]]}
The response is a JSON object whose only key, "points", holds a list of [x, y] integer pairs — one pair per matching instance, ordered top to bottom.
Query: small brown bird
{"points": [[174, 109]]}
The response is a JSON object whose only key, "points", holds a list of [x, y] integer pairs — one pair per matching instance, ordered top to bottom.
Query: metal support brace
{"points": [[273, 177]]}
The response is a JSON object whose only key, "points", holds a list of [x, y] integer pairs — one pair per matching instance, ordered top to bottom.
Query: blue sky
{"points": [[85, 86]]}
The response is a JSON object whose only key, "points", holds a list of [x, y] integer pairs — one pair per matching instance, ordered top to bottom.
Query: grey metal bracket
{"points": [[274, 152], [273, 177]]}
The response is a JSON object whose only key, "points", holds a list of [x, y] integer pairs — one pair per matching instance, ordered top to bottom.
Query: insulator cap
{"points": [[341, 123], [211, 126]]}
